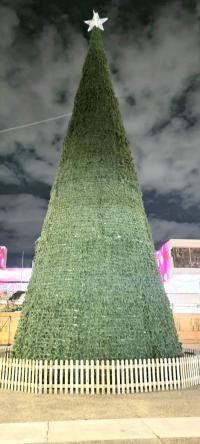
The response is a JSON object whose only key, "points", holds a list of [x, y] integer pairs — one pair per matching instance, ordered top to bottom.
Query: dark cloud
{"points": [[153, 50]]}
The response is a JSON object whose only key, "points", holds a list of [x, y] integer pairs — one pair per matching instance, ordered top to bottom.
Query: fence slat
{"points": [[1, 366], [198, 368], [193, 370], [2, 371], [186, 371], [189, 371], [9, 373], [170, 373], [174, 373], [178, 373], [6, 374], [16, 374], [145, 374], [154, 374], [158, 374], [162, 374], [166, 374], [29, 375], [136, 375], [149, 375], [19, 376], [26, 376], [36, 376], [40, 376], [50, 376], [92, 376], [97, 376], [131, 376], [141, 376], [22, 377], [33, 377], [55, 377], [66, 377], [71, 377], [77, 377], [82, 377], [102, 377], [108, 377], [113, 377], [122, 377], [118, 378], [87, 382], [127, 384], [45, 390]]}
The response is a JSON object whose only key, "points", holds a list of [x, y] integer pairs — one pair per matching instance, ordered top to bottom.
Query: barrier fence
{"points": [[99, 377]]}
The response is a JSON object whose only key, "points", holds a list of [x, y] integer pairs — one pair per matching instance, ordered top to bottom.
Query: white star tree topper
{"points": [[96, 21]]}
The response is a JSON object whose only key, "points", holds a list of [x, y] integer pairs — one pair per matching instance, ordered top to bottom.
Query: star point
{"points": [[96, 22]]}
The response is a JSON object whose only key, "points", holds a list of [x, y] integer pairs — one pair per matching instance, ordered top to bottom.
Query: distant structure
{"points": [[3, 257], [179, 264], [12, 280]]}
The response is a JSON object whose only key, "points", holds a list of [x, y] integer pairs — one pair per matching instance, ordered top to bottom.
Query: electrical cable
{"points": [[34, 123]]}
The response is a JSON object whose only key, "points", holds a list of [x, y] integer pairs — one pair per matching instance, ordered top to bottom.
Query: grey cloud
{"points": [[9, 23], [157, 71], [151, 75], [33, 82], [7, 176], [21, 216], [164, 229]]}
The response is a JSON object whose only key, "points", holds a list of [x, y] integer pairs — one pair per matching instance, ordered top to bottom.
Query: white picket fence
{"points": [[99, 377]]}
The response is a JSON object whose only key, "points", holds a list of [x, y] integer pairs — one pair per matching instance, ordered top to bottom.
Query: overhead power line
{"points": [[27, 125]]}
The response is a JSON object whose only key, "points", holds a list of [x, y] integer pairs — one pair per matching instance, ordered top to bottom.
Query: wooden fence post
{"points": [[149, 366], [145, 374], [154, 374], [131, 375], [136, 375], [40, 376], [71, 376], [92, 376], [45, 377], [66, 377], [87, 377], [113, 377], [117, 377], [102, 378], [77, 382], [82, 384]]}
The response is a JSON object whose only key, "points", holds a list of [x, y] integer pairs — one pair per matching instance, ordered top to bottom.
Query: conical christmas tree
{"points": [[95, 290]]}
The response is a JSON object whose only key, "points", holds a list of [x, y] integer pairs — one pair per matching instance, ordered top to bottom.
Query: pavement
{"points": [[26, 407], [141, 418], [131, 430]]}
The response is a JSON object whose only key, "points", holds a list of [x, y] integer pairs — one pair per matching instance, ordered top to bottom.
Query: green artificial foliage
{"points": [[95, 290]]}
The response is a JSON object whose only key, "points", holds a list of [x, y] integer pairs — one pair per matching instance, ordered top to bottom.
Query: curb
{"points": [[109, 431]]}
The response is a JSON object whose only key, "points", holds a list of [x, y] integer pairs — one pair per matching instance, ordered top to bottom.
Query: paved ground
{"points": [[19, 407], [144, 418], [135, 430]]}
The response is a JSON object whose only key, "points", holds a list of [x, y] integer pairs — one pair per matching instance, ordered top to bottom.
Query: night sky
{"points": [[153, 51]]}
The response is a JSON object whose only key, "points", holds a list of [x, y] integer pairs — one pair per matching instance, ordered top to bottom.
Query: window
{"points": [[186, 257]]}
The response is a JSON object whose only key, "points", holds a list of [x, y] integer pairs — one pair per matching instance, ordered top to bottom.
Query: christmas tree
{"points": [[95, 290]]}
